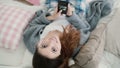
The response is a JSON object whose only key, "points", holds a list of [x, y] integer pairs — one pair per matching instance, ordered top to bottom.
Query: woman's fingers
{"points": [[55, 10], [70, 10], [60, 12]]}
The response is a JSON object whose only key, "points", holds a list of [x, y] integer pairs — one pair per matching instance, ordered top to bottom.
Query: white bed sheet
{"points": [[111, 55], [12, 57], [26, 61], [109, 61]]}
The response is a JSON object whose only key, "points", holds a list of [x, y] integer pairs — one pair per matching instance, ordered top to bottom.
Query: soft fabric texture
{"points": [[34, 2], [81, 6], [97, 10], [13, 21], [56, 25], [36, 26], [32, 34], [113, 34], [91, 53], [111, 55], [12, 57], [90, 57], [109, 60]]}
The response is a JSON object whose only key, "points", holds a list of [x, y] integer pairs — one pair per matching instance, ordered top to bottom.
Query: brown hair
{"points": [[69, 41]]}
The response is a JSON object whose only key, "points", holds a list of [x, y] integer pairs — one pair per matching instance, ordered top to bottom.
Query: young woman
{"points": [[54, 38]]}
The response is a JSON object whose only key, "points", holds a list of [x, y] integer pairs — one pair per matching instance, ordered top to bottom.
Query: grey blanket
{"points": [[97, 10]]}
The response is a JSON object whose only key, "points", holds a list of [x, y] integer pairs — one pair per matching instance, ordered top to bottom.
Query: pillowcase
{"points": [[34, 2], [13, 20], [91, 53]]}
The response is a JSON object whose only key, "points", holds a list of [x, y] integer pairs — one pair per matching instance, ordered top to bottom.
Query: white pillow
{"points": [[13, 20]]}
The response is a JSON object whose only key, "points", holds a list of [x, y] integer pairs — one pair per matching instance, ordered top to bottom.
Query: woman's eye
{"points": [[44, 46], [54, 50]]}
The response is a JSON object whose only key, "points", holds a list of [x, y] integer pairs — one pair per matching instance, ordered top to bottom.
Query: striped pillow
{"points": [[13, 20]]}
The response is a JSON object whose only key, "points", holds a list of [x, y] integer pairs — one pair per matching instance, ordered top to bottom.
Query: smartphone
{"points": [[63, 5]]}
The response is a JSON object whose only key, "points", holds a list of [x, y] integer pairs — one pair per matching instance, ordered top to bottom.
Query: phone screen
{"points": [[63, 5]]}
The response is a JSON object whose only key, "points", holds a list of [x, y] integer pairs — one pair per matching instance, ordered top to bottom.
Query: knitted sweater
{"points": [[39, 22]]}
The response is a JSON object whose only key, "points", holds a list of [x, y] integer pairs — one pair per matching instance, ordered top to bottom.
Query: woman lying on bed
{"points": [[55, 38]]}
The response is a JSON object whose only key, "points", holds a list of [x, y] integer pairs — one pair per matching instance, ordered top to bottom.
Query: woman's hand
{"points": [[70, 10], [55, 15]]}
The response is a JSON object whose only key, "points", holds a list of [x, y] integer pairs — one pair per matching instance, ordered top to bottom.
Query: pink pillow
{"points": [[34, 2], [13, 20]]}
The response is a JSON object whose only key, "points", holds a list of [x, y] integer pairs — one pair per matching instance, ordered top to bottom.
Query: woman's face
{"points": [[50, 45]]}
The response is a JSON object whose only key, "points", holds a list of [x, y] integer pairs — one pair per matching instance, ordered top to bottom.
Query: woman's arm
{"points": [[79, 23], [35, 28], [32, 33]]}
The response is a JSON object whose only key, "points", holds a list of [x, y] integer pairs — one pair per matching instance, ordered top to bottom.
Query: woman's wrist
{"points": [[69, 15], [49, 18]]}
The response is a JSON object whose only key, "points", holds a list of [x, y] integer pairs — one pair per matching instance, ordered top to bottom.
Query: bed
{"points": [[104, 54], [20, 57]]}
